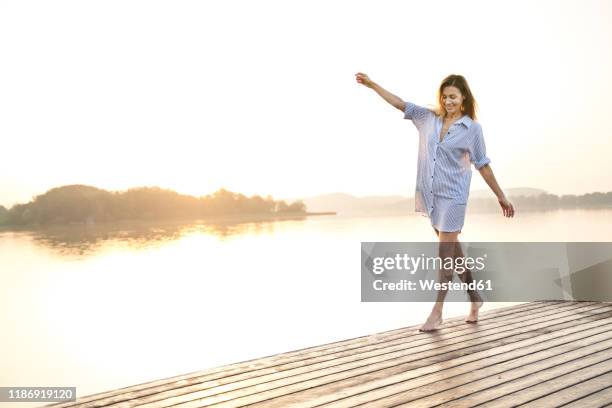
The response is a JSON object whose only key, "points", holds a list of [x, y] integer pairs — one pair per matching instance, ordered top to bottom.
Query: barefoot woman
{"points": [[449, 140]]}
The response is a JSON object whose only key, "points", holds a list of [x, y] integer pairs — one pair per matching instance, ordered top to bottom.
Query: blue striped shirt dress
{"points": [[444, 168]]}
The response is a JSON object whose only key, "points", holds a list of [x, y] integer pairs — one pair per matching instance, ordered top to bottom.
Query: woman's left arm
{"points": [[487, 174]]}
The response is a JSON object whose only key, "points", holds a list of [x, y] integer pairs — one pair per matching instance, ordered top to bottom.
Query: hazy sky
{"points": [[259, 96]]}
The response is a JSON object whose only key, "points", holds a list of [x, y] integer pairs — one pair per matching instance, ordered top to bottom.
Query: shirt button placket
{"points": [[434, 168], [433, 172]]}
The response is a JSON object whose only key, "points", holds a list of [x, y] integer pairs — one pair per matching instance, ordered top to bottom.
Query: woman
{"points": [[449, 140]]}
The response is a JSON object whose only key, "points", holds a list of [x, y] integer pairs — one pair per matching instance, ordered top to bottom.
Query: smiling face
{"points": [[451, 100]]}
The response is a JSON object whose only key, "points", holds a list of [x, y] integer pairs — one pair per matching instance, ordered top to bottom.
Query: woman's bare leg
{"points": [[446, 249], [475, 299]]}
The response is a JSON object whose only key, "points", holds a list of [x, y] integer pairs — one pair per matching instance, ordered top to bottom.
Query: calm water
{"points": [[106, 307]]}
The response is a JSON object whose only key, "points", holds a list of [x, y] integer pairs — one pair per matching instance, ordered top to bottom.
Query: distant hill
{"points": [[510, 192], [483, 200], [88, 204]]}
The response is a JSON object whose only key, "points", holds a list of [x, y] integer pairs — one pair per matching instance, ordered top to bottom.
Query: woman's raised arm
{"points": [[394, 100]]}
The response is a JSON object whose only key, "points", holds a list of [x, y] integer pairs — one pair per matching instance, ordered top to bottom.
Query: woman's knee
{"points": [[449, 236], [447, 247]]}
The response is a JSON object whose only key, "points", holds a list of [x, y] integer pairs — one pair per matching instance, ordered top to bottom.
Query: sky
{"points": [[259, 97]]}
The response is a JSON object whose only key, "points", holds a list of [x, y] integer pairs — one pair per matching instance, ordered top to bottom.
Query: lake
{"points": [[104, 307]]}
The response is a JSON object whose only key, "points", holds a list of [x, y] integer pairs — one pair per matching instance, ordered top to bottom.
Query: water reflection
{"points": [[86, 240], [82, 241]]}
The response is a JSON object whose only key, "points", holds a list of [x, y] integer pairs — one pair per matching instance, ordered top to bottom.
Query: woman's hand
{"points": [[363, 79], [394, 100], [507, 208]]}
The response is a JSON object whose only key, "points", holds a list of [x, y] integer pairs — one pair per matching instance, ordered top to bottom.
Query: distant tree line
{"points": [[547, 201], [79, 203]]}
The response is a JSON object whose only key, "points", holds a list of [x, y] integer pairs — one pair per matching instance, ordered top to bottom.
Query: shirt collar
{"points": [[465, 120]]}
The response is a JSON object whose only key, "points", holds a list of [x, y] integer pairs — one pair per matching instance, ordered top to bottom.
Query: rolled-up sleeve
{"points": [[417, 114], [478, 150]]}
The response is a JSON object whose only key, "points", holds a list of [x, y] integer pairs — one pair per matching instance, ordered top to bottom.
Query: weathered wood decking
{"points": [[536, 354]]}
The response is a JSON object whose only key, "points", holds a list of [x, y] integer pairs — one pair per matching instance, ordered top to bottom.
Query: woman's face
{"points": [[452, 100]]}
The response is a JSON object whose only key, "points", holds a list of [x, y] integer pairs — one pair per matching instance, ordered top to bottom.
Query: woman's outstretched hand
{"points": [[363, 79], [507, 207]]}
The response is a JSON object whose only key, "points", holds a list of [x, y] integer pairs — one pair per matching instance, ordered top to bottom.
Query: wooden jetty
{"points": [[538, 354]]}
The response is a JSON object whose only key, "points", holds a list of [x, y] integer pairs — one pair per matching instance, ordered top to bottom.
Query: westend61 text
{"points": [[406, 285]]}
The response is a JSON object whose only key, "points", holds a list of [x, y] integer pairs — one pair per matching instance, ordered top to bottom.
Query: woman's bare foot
{"points": [[473, 316], [432, 323]]}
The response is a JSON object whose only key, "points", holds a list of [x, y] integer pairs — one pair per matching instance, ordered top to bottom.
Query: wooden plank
{"points": [[398, 361], [583, 368], [362, 369], [182, 381], [203, 382], [389, 391], [572, 392], [598, 399]]}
